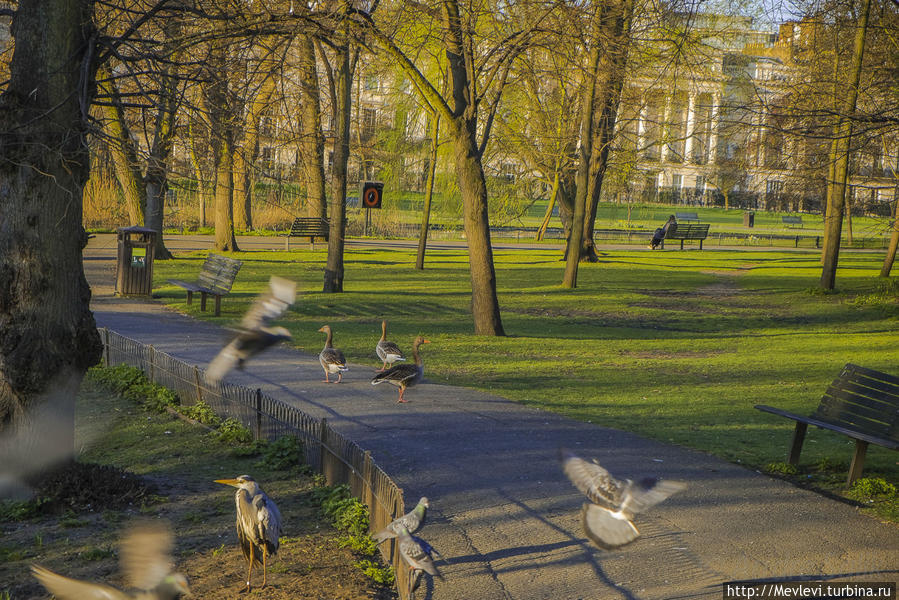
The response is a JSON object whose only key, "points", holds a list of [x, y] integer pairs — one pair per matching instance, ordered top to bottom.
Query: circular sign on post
{"points": [[371, 194]]}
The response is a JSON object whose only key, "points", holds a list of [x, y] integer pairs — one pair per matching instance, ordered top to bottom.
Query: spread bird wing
{"points": [[270, 305], [224, 361], [42, 440], [593, 481], [627, 496], [639, 496], [605, 528], [147, 554], [66, 588]]}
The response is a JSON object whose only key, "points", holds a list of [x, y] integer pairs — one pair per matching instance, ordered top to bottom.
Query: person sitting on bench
{"points": [[659, 234]]}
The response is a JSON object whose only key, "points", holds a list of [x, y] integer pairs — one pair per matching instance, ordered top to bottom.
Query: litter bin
{"points": [[748, 219], [134, 269]]}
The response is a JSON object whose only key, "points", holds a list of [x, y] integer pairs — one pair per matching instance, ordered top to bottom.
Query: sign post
{"points": [[370, 195]]}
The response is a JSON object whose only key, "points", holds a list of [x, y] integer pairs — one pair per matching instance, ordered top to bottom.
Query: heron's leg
{"points": [[402, 391], [250, 566], [264, 566]]}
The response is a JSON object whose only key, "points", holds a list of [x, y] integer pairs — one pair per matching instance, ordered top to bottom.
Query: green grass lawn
{"points": [[676, 346]]}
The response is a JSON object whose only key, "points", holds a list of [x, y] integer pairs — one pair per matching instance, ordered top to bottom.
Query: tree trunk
{"points": [[610, 72], [842, 141], [312, 145], [123, 151], [585, 152], [245, 155], [156, 179], [202, 188], [429, 192], [224, 195], [476, 224], [544, 225], [894, 243], [334, 270], [48, 337]]}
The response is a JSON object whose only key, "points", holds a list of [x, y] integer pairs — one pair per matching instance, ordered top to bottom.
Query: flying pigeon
{"points": [[255, 334], [42, 440], [608, 517], [412, 521], [417, 554], [146, 563]]}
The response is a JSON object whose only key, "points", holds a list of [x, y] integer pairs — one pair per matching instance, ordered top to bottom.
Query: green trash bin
{"points": [[134, 268]]}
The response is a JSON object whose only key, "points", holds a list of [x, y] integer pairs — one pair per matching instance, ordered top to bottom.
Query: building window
{"points": [[371, 82], [369, 120], [268, 159]]}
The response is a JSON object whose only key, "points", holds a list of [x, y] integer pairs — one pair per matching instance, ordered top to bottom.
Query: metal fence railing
{"points": [[340, 460]]}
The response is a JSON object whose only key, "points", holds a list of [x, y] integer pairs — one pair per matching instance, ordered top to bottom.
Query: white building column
{"points": [[691, 125], [713, 127], [665, 129]]}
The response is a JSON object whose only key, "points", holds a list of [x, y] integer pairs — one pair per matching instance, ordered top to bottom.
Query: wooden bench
{"points": [[687, 216], [791, 220], [311, 227], [689, 231], [215, 279], [860, 403]]}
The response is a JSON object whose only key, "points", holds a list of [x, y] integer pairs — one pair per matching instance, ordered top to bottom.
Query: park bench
{"points": [[687, 216], [791, 220], [311, 227], [689, 231], [215, 279], [860, 403]]}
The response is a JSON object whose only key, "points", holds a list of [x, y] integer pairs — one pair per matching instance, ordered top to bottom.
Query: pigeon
{"points": [[255, 334], [387, 351], [331, 358], [404, 375], [608, 517], [412, 521], [417, 554], [146, 563]]}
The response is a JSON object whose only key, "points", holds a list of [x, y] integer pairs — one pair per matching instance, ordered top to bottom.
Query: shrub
{"points": [[232, 431], [286, 453], [781, 468], [868, 489]]}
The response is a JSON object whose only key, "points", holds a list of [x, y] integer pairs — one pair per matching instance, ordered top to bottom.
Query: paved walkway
{"points": [[503, 512]]}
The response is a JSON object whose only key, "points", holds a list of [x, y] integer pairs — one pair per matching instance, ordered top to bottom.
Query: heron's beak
{"points": [[232, 482]]}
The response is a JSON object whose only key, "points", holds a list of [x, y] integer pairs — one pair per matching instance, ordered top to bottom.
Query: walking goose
{"points": [[387, 351], [331, 358], [404, 375]]}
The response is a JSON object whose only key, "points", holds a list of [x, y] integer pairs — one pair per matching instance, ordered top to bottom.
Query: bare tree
{"points": [[478, 76]]}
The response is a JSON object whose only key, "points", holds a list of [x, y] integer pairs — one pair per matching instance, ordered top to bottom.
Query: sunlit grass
{"points": [[677, 346]]}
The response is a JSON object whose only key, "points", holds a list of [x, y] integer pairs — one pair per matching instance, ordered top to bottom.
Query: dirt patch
{"points": [[167, 468]]}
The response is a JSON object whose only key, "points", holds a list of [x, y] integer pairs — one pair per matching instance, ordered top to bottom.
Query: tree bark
{"points": [[616, 29], [842, 141], [312, 145], [123, 151], [585, 152], [429, 193], [225, 240], [894, 243], [334, 269], [48, 337]]}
